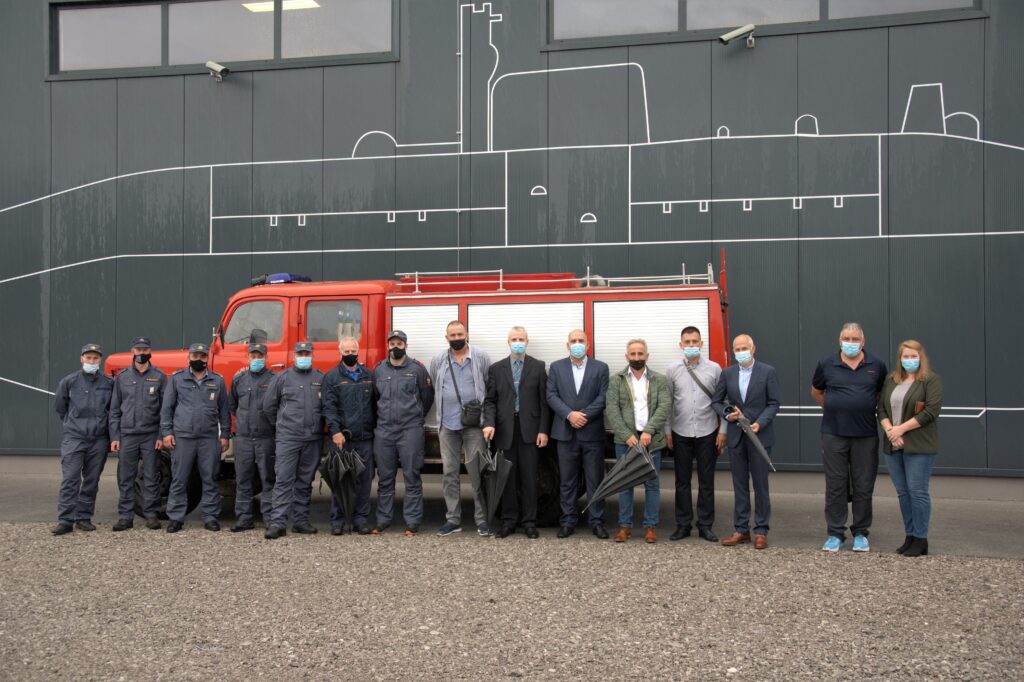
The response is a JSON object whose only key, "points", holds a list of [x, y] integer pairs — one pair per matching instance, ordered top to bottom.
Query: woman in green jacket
{"points": [[908, 410]]}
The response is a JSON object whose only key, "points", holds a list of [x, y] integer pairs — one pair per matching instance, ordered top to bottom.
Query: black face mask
{"points": [[457, 344], [397, 353], [142, 358], [350, 360], [637, 364], [197, 365]]}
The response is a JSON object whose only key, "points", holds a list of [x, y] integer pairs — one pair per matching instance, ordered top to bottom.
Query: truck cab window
{"points": [[265, 318], [333, 320]]}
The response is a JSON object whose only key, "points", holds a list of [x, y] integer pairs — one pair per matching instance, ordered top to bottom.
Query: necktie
{"points": [[517, 374]]}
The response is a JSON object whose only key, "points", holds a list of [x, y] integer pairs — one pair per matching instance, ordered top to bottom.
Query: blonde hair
{"points": [[899, 374]]}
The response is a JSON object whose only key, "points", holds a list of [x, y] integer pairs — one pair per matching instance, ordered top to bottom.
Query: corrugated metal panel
{"points": [[656, 322], [547, 324], [425, 327]]}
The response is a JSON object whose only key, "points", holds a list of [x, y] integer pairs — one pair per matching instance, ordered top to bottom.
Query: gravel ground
{"points": [[200, 605]]}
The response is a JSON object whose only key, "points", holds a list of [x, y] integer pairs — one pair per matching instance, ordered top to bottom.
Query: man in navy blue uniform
{"points": [[83, 405], [350, 408], [193, 418], [135, 435], [253, 439]]}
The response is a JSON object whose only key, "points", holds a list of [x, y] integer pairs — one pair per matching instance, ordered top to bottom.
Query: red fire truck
{"points": [[281, 310]]}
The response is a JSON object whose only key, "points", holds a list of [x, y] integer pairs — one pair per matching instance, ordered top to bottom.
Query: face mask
{"points": [[457, 344], [517, 347], [578, 350], [851, 350], [691, 352], [397, 353], [743, 357], [142, 358], [350, 360], [303, 362], [257, 364], [637, 364], [911, 364], [197, 365], [90, 368]]}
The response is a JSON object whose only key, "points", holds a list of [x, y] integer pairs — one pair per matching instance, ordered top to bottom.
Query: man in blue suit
{"points": [[752, 388], [576, 391]]}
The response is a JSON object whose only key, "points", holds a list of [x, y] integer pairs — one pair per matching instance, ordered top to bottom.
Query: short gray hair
{"points": [[851, 327], [517, 328], [344, 339], [640, 341]]}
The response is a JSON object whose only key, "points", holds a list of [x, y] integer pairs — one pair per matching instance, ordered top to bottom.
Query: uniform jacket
{"points": [[248, 389], [404, 394], [563, 399], [500, 402], [83, 404], [135, 404], [292, 404], [350, 405], [760, 407], [195, 408], [618, 412]]}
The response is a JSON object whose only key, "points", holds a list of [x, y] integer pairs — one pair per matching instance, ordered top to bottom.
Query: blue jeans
{"points": [[910, 474], [652, 495]]}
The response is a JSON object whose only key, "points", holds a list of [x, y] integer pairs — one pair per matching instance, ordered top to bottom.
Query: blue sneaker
{"points": [[448, 528], [483, 531], [860, 543], [833, 544]]}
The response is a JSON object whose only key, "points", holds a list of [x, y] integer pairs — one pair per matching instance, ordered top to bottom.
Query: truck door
{"points": [[259, 319], [325, 320]]}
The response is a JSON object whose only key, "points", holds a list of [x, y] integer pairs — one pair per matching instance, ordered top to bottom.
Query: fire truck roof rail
{"points": [[418, 279]]}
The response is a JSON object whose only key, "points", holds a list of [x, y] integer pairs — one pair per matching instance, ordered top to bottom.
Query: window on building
{"points": [[844, 9], [702, 14], [593, 18], [328, 27], [221, 31], [109, 37], [333, 320], [261, 321]]}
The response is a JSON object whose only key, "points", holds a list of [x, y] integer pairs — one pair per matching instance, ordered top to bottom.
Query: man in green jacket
{"points": [[637, 406]]}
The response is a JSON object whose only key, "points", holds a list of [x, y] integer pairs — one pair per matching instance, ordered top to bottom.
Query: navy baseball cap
{"points": [[397, 333], [140, 342], [304, 346], [92, 348], [199, 348], [257, 348]]}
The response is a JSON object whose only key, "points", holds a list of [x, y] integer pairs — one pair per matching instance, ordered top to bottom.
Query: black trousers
{"points": [[685, 451], [851, 466], [520, 495]]}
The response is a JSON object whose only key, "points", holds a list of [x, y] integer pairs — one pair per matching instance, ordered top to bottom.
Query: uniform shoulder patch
{"points": [[178, 371]]}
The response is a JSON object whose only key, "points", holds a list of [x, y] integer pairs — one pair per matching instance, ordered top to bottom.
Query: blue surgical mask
{"points": [[517, 347], [578, 350], [851, 350], [691, 352], [743, 357], [304, 362], [257, 364], [911, 364], [90, 368]]}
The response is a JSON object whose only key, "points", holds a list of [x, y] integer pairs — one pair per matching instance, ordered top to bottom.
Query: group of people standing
{"points": [[516, 404]]}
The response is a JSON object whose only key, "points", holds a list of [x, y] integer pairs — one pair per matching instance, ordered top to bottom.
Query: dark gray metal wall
{"points": [[957, 291]]}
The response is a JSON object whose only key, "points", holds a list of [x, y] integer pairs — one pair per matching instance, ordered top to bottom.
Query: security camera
{"points": [[747, 31], [218, 71]]}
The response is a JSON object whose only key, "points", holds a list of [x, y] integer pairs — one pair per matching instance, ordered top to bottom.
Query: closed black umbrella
{"points": [[745, 427], [632, 469], [340, 470], [495, 470]]}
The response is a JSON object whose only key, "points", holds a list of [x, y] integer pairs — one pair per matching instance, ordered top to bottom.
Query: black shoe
{"points": [[153, 523], [123, 524], [84, 525], [175, 526], [212, 526], [240, 527], [62, 529], [303, 529], [363, 529], [380, 529], [337, 530], [412, 530], [505, 531], [565, 531], [274, 532], [531, 532], [600, 532], [680, 533], [707, 534], [906, 544], [918, 547]]}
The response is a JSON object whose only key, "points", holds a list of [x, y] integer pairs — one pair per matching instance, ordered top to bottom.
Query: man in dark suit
{"points": [[753, 389], [576, 394], [517, 418]]}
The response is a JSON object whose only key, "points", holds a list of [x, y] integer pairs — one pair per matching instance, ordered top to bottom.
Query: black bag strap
{"points": [[693, 375], [455, 382]]}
